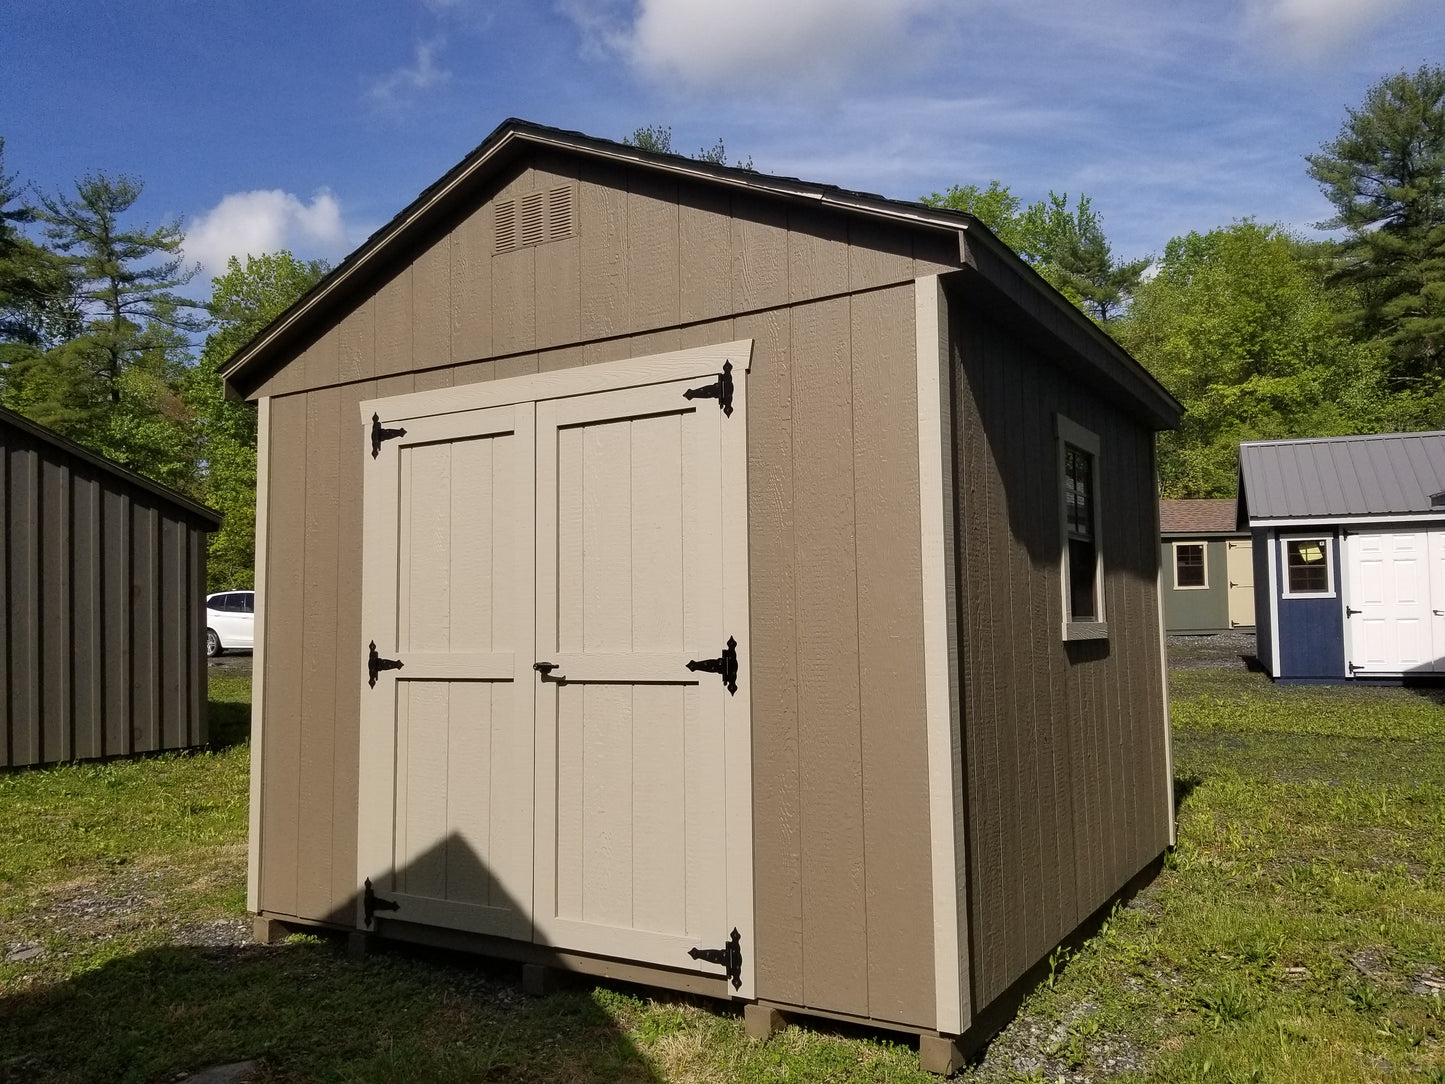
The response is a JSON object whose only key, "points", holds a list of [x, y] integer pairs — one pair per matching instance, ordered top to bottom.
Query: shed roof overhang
{"points": [[985, 262], [208, 516]]}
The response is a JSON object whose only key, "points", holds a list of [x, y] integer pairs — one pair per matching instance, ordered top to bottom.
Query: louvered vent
{"points": [[536, 218], [561, 220], [506, 225]]}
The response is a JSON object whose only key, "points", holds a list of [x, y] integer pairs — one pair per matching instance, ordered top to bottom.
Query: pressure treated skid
{"points": [[942, 789]]}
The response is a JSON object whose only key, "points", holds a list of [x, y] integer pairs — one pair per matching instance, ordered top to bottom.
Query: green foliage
{"points": [[658, 139], [1385, 174], [1067, 248], [243, 301], [1242, 327], [97, 347]]}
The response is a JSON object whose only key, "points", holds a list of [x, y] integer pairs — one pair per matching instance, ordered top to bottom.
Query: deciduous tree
{"points": [[243, 300]]}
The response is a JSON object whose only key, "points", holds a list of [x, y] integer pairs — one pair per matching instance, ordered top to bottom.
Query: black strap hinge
{"points": [[721, 390], [378, 434], [1350, 611], [375, 663], [725, 665], [372, 903], [729, 957]]}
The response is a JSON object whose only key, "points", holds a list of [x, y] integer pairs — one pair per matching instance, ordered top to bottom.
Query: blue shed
{"points": [[1349, 555]]}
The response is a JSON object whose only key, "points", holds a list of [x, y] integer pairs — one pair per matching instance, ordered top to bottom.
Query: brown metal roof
{"points": [[514, 137], [1386, 474], [1214, 515], [210, 516]]}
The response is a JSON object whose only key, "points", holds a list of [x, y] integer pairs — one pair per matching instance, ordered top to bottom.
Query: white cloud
{"points": [[1309, 29], [739, 44], [392, 89], [253, 223]]}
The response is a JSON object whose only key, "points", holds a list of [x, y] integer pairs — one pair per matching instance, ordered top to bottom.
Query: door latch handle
{"points": [[1438, 613], [545, 669]]}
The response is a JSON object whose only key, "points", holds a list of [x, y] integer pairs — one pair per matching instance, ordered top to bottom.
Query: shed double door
{"points": [[1395, 602], [584, 805]]}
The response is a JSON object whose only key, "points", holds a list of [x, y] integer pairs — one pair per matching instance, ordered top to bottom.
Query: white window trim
{"points": [[1067, 431], [1326, 541], [1192, 586]]}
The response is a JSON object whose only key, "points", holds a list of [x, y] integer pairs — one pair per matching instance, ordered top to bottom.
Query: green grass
{"points": [[1297, 933]]}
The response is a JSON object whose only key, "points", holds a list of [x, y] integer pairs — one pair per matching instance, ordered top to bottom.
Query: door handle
{"points": [[1438, 613], [545, 670]]}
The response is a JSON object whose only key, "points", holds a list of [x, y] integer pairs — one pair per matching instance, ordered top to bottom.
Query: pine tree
{"points": [[1385, 174]]}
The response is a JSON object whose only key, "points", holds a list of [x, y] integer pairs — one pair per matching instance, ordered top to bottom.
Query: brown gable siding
{"points": [[647, 256], [1064, 764]]}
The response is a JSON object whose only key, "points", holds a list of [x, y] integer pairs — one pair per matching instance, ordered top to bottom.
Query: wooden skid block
{"points": [[268, 931], [538, 981], [761, 1021], [939, 1054]]}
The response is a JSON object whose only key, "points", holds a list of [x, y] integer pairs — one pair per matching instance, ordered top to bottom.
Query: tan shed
{"points": [[726, 582], [102, 602]]}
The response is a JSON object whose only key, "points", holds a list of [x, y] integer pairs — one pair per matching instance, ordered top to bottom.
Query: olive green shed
{"points": [[710, 579]]}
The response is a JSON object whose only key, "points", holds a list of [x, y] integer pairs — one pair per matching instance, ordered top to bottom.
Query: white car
{"points": [[230, 621]]}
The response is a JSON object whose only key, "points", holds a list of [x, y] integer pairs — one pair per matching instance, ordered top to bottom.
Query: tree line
{"points": [[1261, 334], [98, 342]]}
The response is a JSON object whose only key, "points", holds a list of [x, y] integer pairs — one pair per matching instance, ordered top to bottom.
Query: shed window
{"points": [[1081, 559], [1307, 566], [1189, 568]]}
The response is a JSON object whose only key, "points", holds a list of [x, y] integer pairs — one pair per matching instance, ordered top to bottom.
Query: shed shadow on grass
{"points": [[307, 1010]]}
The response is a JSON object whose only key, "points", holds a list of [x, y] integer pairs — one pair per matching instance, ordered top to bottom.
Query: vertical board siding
{"points": [[99, 609], [1063, 742], [842, 864]]}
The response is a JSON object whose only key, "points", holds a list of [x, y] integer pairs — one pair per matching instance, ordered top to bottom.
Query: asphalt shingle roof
{"points": [[1214, 515]]}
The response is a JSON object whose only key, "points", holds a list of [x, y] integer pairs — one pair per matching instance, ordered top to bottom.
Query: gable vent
{"points": [[536, 218], [561, 219], [506, 225]]}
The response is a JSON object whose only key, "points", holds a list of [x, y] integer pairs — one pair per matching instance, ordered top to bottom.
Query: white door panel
{"points": [[1391, 627]]}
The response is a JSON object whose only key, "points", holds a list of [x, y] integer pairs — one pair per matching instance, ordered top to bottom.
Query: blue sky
{"points": [[306, 125]]}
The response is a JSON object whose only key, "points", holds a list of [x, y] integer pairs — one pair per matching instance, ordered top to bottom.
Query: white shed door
{"points": [[1392, 591], [447, 737], [631, 785]]}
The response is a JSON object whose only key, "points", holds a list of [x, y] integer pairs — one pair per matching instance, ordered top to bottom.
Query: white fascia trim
{"points": [[935, 494], [1347, 523], [258, 653]]}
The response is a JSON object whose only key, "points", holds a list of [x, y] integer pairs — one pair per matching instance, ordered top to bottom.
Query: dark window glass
{"points": [[1079, 524], [1308, 562], [1189, 565], [221, 602], [246, 602]]}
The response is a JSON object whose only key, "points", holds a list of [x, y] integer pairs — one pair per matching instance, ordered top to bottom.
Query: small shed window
{"points": [[1082, 556], [1307, 566], [1190, 572]]}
